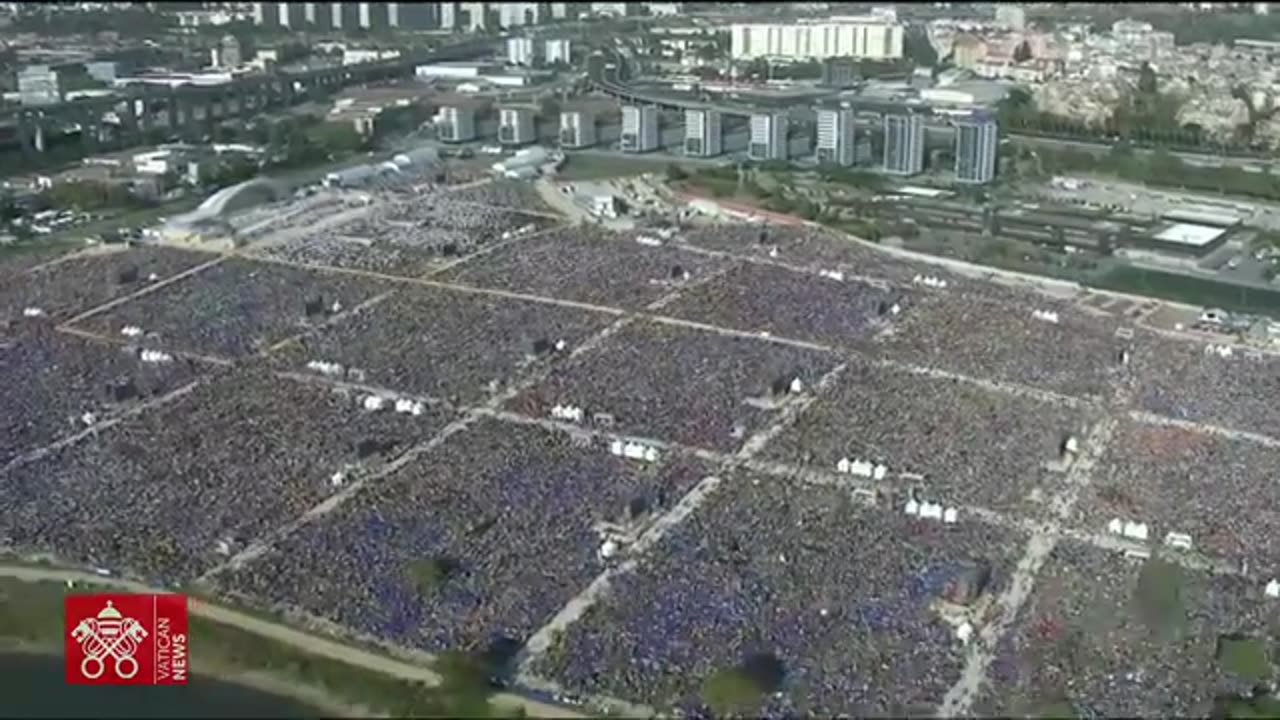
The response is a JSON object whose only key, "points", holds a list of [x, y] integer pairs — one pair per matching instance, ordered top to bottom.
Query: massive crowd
{"points": [[516, 194], [409, 236], [587, 265], [77, 283], [759, 298], [236, 308], [448, 344], [1077, 355], [1181, 380], [56, 385], [681, 385], [971, 445], [1220, 491], [170, 493], [505, 515], [839, 593], [1091, 642]]}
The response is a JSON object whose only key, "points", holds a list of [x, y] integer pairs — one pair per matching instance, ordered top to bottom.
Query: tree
{"points": [[917, 48], [1022, 53], [1148, 83], [675, 173], [428, 574], [730, 691]]}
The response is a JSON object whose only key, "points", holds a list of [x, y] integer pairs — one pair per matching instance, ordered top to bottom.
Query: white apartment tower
{"points": [[871, 38], [560, 50], [522, 51], [516, 126], [639, 128], [577, 129], [702, 136], [768, 136], [836, 136], [903, 144]]}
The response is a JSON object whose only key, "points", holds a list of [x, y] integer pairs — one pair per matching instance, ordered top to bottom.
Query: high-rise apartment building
{"points": [[872, 38], [516, 126], [639, 128], [577, 129], [702, 133], [768, 136], [836, 136], [903, 144], [977, 144]]}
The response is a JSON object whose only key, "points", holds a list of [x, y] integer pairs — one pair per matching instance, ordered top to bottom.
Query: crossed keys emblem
{"points": [[109, 635]]}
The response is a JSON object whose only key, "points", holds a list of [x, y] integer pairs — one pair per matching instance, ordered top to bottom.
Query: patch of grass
{"points": [[579, 167], [1204, 292], [1160, 598], [1244, 657], [731, 691], [1055, 710]]}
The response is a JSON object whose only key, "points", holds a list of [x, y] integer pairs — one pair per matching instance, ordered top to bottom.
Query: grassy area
{"points": [[581, 167], [1191, 290], [31, 617], [1244, 657]]}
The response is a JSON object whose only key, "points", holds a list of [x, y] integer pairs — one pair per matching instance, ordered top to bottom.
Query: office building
{"points": [[870, 38], [560, 50], [522, 51], [38, 85], [456, 124], [516, 126], [639, 128], [577, 129], [702, 133], [768, 137], [836, 137], [977, 143], [903, 144]]}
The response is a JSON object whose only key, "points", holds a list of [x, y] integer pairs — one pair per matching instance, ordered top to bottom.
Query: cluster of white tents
{"points": [[929, 281], [1048, 316], [1222, 351], [374, 403], [572, 413], [634, 451], [861, 468], [931, 511]]}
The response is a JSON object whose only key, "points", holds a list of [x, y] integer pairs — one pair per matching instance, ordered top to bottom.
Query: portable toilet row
{"points": [[1048, 316], [572, 413], [861, 468], [931, 511], [1127, 529]]}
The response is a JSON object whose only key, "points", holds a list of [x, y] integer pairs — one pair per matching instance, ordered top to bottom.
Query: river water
{"points": [[34, 686]]}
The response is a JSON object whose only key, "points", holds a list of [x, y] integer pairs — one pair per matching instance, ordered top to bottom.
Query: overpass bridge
{"points": [[140, 109]]}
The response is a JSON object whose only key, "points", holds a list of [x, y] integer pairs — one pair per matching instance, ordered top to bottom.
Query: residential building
{"points": [[516, 14], [349, 15], [864, 38], [558, 50], [522, 51], [967, 51], [38, 85], [456, 124], [516, 126], [639, 128], [577, 129], [702, 133], [768, 136], [836, 136], [977, 143], [903, 144]]}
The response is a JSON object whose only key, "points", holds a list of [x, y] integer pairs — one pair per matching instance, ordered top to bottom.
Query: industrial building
{"points": [[870, 38], [558, 50], [522, 51], [38, 85], [456, 123], [516, 125], [639, 128], [577, 129], [702, 133], [768, 136], [837, 136], [977, 142], [903, 144]]}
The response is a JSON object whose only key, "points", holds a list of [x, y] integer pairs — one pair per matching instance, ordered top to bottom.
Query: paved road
{"points": [[284, 634]]}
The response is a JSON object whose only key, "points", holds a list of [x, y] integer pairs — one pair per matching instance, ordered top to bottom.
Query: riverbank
{"points": [[309, 672]]}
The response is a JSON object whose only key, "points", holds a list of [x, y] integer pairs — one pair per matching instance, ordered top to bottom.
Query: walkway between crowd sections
{"points": [[285, 634]]}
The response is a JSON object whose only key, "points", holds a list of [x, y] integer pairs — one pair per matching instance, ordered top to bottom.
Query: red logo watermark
{"points": [[126, 639]]}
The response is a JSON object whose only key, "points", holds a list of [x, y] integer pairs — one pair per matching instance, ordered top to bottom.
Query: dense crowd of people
{"points": [[516, 194], [410, 235], [589, 265], [71, 285], [237, 308], [447, 344], [1182, 380], [57, 384], [681, 385], [972, 446], [1216, 489], [169, 493], [504, 518], [840, 594], [1087, 643]]}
